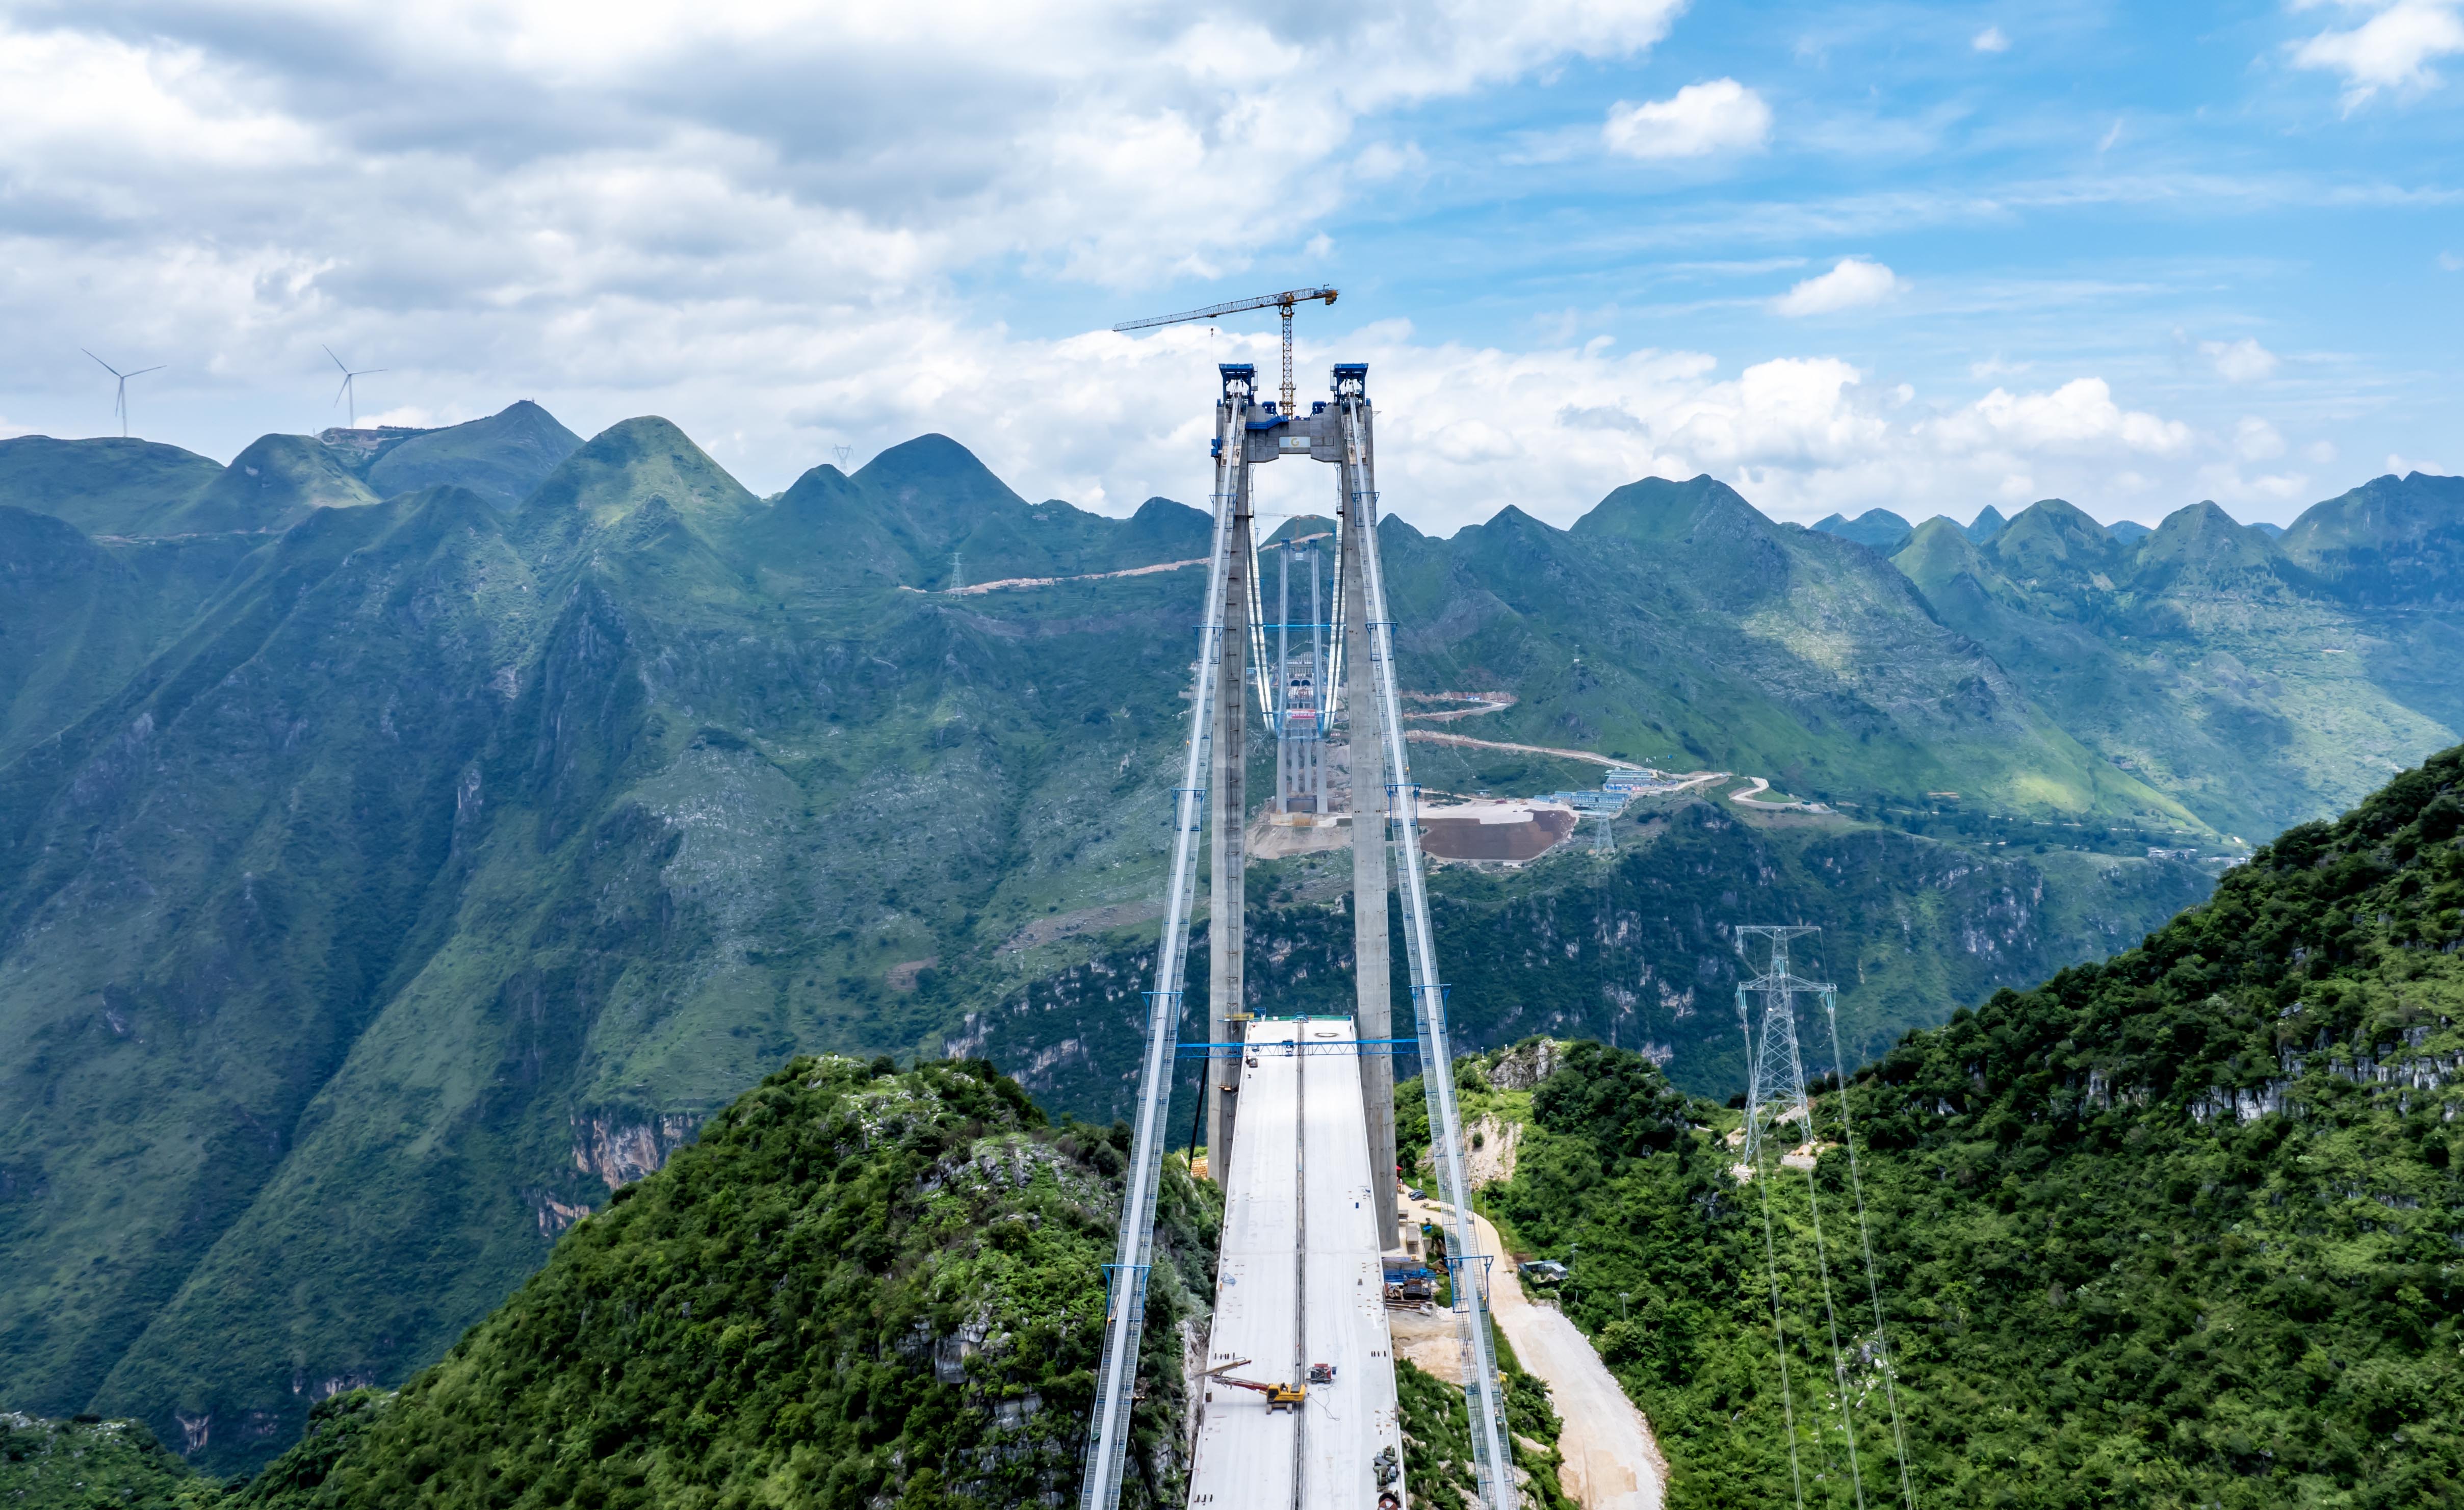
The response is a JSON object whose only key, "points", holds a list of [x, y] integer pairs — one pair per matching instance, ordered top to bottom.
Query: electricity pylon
{"points": [[1776, 1088]]}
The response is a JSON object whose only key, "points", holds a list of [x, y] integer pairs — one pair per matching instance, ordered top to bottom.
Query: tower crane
{"points": [[1283, 301]]}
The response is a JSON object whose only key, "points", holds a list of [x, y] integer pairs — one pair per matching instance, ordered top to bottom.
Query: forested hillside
{"points": [[406, 840], [1632, 948], [2180, 1228], [859, 1286]]}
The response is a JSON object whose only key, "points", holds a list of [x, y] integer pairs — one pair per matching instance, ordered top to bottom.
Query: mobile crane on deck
{"points": [[1279, 1396]]}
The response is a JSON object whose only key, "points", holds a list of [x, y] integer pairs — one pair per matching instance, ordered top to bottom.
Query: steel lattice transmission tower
{"points": [[1775, 1093]]}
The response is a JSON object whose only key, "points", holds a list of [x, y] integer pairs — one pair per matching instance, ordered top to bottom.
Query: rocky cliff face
{"points": [[1636, 951]]}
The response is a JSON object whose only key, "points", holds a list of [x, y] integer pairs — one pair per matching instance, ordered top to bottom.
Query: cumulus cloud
{"points": [[1991, 41], [2393, 50], [1698, 121], [523, 150], [1854, 283], [2243, 361], [2078, 418], [2256, 440]]}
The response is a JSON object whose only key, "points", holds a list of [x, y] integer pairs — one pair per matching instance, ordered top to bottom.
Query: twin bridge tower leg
{"points": [[1252, 433], [1227, 805], [1372, 967]]}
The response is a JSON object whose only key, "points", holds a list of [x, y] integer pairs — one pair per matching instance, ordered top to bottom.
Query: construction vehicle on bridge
{"points": [[1279, 1396]]}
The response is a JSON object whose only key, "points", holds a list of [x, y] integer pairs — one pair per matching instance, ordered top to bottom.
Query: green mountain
{"points": [[503, 458], [106, 485], [134, 488], [1877, 528], [2396, 541], [79, 615], [1676, 624], [2259, 685], [508, 847], [384, 883], [2179, 1228], [857, 1283], [87, 1464]]}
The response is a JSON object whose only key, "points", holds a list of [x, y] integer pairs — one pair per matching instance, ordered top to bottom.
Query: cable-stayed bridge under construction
{"points": [[1298, 1402]]}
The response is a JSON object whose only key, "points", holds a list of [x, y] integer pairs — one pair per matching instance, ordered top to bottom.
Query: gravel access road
{"points": [[1612, 1463]]}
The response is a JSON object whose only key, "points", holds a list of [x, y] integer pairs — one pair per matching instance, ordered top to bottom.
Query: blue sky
{"points": [[1918, 256]]}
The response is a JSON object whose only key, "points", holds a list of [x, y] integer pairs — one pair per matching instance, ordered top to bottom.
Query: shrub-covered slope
{"points": [[2185, 1228], [858, 1287], [91, 1464]]}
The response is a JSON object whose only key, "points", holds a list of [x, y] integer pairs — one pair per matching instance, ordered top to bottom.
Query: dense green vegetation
{"points": [[385, 882], [2183, 1228], [859, 1286], [1437, 1436], [92, 1464]]}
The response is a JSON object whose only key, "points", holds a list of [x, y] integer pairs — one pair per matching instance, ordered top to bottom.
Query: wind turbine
{"points": [[347, 392], [119, 404]]}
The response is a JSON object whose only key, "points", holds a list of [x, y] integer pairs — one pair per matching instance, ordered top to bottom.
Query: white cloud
{"points": [[1991, 41], [2391, 50], [1699, 119], [951, 134], [2450, 262], [1854, 283], [2243, 361], [1995, 366], [2079, 417], [2256, 440], [2320, 452], [2224, 483]]}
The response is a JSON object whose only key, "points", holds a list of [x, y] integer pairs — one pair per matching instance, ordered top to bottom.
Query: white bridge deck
{"points": [[1299, 1283]]}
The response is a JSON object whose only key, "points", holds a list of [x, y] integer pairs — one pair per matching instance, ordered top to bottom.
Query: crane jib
{"points": [[1284, 301]]}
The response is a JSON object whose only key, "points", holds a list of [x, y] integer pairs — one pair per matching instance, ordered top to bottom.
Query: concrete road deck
{"points": [[1298, 1283]]}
